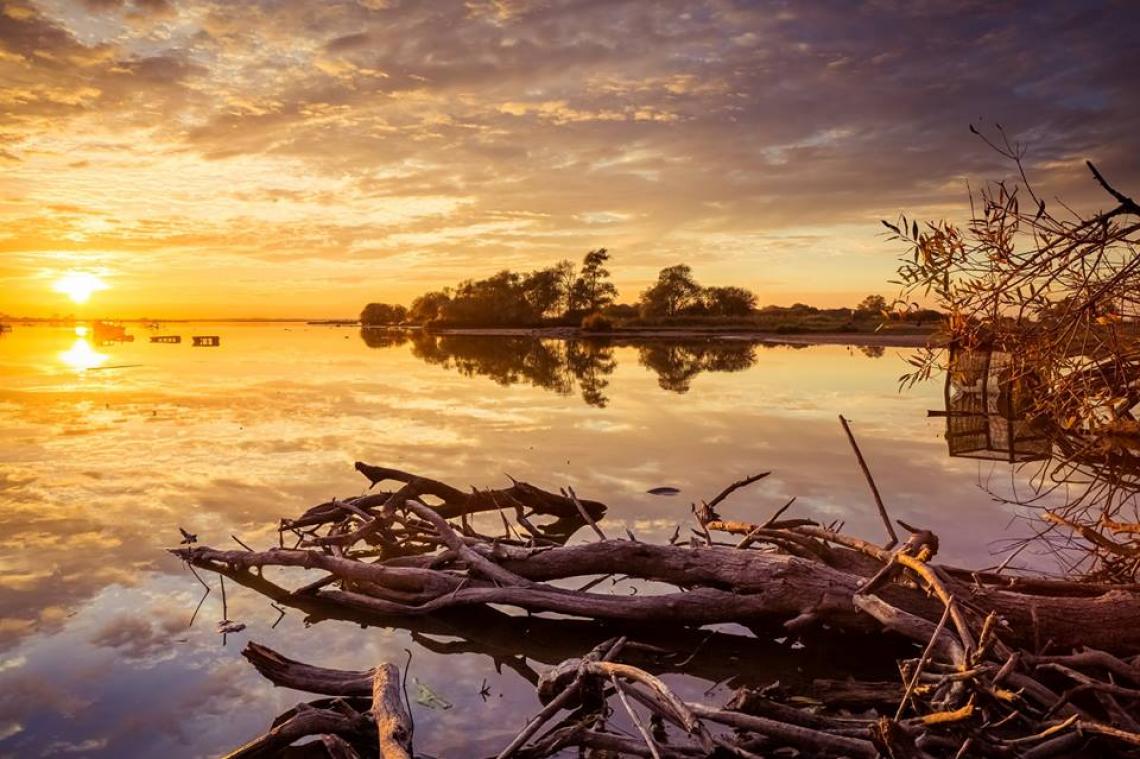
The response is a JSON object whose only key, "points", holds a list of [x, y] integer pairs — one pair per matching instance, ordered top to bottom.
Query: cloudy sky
{"points": [[299, 158]]}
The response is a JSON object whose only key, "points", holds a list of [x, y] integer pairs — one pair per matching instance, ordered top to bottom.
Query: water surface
{"points": [[106, 449]]}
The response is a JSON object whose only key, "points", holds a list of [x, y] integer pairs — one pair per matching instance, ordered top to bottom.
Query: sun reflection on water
{"points": [[81, 356]]}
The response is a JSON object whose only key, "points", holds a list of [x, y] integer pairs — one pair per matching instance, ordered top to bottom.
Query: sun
{"points": [[79, 285]]}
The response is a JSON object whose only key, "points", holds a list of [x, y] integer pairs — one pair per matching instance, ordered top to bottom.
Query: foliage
{"points": [[592, 290], [674, 292], [677, 293], [1058, 293], [555, 294], [728, 301], [872, 304], [429, 306], [383, 313], [597, 322]]}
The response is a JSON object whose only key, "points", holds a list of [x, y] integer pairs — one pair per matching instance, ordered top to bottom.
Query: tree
{"points": [[566, 277], [543, 290], [592, 290], [674, 291], [1055, 295], [499, 300], [728, 301], [872, 304], [429, 306], [382, 313]]}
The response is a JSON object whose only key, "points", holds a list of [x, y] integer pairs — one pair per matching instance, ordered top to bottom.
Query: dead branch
{"points": [[980, 677]]}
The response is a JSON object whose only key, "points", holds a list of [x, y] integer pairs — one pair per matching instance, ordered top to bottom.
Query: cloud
{"points": [[265, 131]]}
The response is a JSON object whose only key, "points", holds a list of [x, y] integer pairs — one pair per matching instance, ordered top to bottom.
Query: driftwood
{"points": [[1008, 666]]}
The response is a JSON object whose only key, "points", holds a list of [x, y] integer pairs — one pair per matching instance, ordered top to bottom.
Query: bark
{"points": [[726, 585], [982, 686], [393, 725]]}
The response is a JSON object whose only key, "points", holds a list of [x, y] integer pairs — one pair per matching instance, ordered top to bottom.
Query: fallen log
{"points": [[721, 585], [983, 676]]}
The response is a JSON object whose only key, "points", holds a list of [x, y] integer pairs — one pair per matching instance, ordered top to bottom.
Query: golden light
{"points": [[79, 285], [81, 356]]}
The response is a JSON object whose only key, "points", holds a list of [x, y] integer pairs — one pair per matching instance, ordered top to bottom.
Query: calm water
{"points": [[105, 450]]}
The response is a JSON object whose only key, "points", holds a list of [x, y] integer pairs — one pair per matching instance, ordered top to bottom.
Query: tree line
{"points": [[584, 295]]}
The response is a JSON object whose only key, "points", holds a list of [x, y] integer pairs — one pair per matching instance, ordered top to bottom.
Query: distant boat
{"points": [[108, 332], [166, 338], [207, 341]]}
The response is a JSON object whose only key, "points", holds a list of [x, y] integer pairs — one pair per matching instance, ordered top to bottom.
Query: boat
{"points": [[109, 332]]}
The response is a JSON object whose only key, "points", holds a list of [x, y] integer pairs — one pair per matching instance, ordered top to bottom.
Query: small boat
{"points": [[108, 332], [166, 338], [207, 341]]}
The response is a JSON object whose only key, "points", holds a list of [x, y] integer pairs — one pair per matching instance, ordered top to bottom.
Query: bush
{"points": [[597, 323]]}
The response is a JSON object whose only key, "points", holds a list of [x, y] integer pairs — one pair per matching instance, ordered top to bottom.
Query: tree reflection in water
{"points": [[380, 337], [676, 364], [559, 365], [567, 366]]}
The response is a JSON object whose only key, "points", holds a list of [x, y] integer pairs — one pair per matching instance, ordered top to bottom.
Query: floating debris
{"points": [[425, 696]]}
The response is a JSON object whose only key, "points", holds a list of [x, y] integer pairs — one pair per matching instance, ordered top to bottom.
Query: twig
{"points": [[1126, 202], [871, 481], [735, 486], [569, 493], [748, 539], [240, 543], [202, 600], [922, 662], [540, 719], [649, 742]]}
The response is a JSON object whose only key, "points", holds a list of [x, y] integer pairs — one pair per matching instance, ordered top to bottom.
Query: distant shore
{"points": [[909, 339]]}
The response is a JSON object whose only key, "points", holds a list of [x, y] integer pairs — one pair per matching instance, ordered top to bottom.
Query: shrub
{"points": [[596, 323]]}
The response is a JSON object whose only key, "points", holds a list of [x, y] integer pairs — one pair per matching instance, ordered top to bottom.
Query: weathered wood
{"points": [[726, 585], [288, 673], [981, 685], [393, 724]]}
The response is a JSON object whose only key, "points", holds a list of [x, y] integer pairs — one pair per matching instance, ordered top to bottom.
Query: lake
{"points": [[107, 449]]}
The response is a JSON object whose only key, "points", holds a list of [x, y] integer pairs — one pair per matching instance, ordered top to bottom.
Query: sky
{"points": [[296, 158]]}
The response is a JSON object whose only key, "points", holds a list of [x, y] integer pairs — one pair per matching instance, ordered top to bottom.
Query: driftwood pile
{"points": [[989, 664]]}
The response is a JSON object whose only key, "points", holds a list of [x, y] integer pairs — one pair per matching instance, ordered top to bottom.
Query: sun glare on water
{"points": [[79, 285], [81, 356]]}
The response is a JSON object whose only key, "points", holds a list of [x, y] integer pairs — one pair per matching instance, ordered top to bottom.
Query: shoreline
{"points": [[866, 339]]}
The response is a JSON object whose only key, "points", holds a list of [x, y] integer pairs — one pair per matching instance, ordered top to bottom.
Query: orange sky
{"points": [[293, 158]]}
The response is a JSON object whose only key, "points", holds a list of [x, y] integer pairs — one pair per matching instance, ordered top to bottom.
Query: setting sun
{"points": [[79, 285]]}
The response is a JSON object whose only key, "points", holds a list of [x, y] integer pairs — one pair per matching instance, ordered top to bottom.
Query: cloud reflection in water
{"points": [[99, 469]]}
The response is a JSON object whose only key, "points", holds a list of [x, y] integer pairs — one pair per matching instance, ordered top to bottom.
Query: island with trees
{"points": [[565, 299]]}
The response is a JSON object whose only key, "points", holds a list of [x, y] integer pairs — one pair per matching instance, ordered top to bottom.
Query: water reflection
{"points": [[378, 337], [872, 351], [81, 356], [676, 364], [582, 365], [563, 366], [986, 413], [1080, 472], [96, 477]]}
